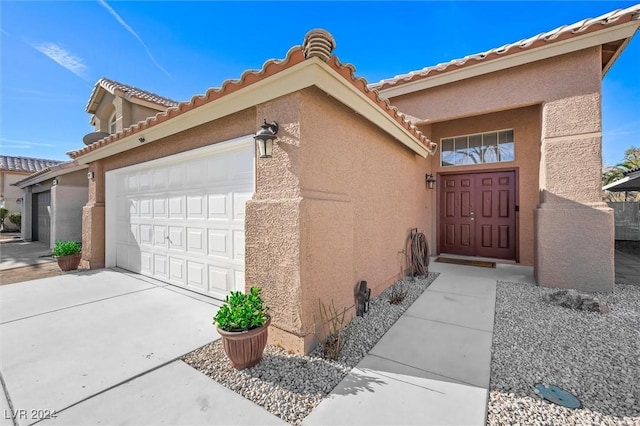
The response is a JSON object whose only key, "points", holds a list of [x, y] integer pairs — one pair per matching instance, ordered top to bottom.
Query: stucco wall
{"points": [[548, 80], [526, 125], [11, 194], [67, 201], [334, 206]]}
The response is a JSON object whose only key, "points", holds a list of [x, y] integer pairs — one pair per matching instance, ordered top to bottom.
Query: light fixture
{"points": [[265, 138], [141, 139], [91, 175], [431, 180], [54, 182], [19, 201]]}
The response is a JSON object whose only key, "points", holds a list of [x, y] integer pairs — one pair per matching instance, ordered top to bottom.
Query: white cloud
{"points": [[127, 27], [63, 57], [17, 143]]}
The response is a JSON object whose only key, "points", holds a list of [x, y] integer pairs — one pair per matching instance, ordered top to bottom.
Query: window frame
{"points": [[460, 153]]}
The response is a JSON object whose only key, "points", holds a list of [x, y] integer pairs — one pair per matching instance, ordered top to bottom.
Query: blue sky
{"points": [[53, 52]]}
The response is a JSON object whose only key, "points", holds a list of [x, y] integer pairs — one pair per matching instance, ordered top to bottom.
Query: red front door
{"points": [[477, 214]]}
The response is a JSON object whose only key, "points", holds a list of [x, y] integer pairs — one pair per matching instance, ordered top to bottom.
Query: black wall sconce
{"points": [[265, 138], [91, 175], [431, 180], [54, 182], [19, 201]]}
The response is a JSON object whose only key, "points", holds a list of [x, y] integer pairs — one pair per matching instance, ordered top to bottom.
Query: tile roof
{"points": [[565, 32], [312, 47], [128, 92], [25, 164]]}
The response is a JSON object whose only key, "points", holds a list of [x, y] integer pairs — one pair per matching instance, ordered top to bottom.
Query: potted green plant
{"points": [[68, 254], [243, 324]]}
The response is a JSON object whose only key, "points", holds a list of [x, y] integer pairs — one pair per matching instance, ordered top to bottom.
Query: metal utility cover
{"points": [[557, 396]]}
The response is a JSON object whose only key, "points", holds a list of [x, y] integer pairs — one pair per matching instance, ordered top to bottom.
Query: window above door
{"points": [[480, 148]]}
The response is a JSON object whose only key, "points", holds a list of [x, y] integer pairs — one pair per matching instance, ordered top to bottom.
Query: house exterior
{"points": [[12, 170], [182, 196], [53, 201]]}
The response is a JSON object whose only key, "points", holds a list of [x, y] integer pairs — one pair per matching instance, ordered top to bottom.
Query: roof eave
{"points": [[596, 38], [310, 72], [50, 173]]}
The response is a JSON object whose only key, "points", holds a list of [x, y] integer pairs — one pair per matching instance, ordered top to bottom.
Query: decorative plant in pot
{"points": [[68, 254], [243, 323]]}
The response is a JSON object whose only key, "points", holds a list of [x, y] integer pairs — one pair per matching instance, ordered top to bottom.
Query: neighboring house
{"points": [[115, 106], [13, 169], [182, 196], [53, 201]]}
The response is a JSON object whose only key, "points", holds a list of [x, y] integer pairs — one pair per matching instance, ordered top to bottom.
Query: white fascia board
{"points": [[574, 44], [311, 72], [50, 175]]}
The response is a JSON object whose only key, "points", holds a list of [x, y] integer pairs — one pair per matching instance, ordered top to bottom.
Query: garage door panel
{"points": [[177, 177], [160, 178], [144, 180], [239, 201], [145, 207], [218, 207], [160, 208], [176, 208], [196, 208], [183, 221], [160, 236], [176, 238], [196, 243], [219, 243], [238, 244], [146, 263], [160, 269], [177, 273], [196, 275], [219, 280]]}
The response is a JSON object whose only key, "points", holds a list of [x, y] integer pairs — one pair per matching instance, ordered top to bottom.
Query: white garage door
{"points": [[180, 219]]}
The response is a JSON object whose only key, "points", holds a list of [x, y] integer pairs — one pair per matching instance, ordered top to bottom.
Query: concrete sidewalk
{"points": [[23, 253], [433, 366]]}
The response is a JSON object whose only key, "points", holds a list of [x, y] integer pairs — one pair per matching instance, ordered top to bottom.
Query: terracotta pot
{"points": [[70, 262], [244, 348]]}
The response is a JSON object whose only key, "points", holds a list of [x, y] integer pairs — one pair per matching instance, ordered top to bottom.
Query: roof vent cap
{"points": [[318, 43]]}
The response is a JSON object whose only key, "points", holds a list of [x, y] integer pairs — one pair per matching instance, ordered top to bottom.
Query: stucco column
{"points": [[27, 215], [93, 216], [272, 227], [574, 228]]}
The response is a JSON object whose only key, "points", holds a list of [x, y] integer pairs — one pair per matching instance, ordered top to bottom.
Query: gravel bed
{"points": [[594, 356], [290, 385]]}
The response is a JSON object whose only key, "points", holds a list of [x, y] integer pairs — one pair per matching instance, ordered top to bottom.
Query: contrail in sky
{"points": [[126, 26]]}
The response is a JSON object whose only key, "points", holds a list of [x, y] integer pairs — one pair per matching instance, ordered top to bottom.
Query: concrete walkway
{"points": [[22, 253], [103, 347], [433, 366]]}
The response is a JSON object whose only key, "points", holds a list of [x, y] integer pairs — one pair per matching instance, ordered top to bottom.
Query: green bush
{"points": [[3, 213], [16, 219], [66, 248], [242, 312]]}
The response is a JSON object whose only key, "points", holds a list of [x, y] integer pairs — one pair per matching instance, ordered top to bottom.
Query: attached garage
{"points": [[42, 217], [180, 219]]}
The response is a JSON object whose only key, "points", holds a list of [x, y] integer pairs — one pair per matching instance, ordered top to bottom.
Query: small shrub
{"points": [[16, 219], [66, 248], [398, 293], [242, 312], [338, 332]]}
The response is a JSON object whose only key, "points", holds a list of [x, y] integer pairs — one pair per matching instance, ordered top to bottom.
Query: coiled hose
{"points": [[418, 253]]}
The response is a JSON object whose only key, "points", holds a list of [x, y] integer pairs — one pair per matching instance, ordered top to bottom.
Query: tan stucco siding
{"points": [[548, 80], [140, 113], [526, 125], [362, 192]]}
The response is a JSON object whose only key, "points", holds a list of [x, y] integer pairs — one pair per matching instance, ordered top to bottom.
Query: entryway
{"points": [[478, 214], [41, 222]]}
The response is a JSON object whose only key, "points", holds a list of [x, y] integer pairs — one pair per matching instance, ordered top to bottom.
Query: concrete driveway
{"points": [[103, 347]]}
